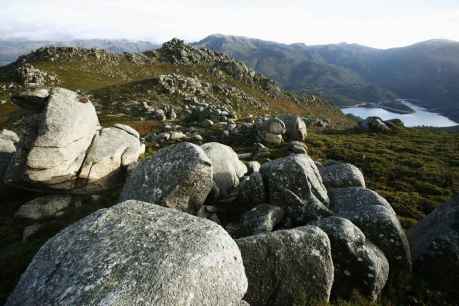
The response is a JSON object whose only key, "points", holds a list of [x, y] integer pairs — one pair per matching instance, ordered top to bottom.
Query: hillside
{"points": [[10, 50], [350, 73], [121, 84]]}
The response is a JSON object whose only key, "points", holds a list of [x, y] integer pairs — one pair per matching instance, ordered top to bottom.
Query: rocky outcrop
{"points": [[376, 124], [63, 147], [227, 168], [338, 175], [179, 176], [377, 220], [435, 246], [135, 253], [358, 264], [288, 267]]}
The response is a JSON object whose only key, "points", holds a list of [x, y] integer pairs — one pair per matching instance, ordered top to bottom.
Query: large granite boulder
{"points": [[295, 128], [56, 141], [63, 147], [112, 150], [227, 168], [296, 173], [338, 175], [178, 176], [377, 220], [435, 245], [135, 253], [359, 265], [288, 267]]}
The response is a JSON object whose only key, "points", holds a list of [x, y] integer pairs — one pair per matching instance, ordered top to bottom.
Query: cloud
{"points": [[375, 23]]}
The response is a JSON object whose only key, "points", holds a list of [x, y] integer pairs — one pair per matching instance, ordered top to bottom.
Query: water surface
{"points": [[421, 116]]}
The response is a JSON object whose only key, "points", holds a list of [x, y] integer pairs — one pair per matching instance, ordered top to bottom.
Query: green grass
{"points": [[414, 169]]}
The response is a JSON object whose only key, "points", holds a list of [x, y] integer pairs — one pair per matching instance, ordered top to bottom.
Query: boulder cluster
{"points": [[376, 124], [63, 146], [198, 224], [287, 232]]}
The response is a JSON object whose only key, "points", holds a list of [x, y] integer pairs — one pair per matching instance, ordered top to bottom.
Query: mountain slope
{"points": [[10, 50], [300, 68], [349, 73], [122, 84]]}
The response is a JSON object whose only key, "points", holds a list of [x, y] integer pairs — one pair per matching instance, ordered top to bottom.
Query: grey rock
{"points": [[34, 100], [159, 115], [207, 123], [374, 124], [274, 126], [295, 128], [177, 136], [271, 138], [8, 139], [56, 142], [297, 147], [111, 150], [253, 166], [227, 168], [297, 173], [337, 175], [178, 176], [252, 190], [44, 207], [300, 211], [260, 219], [378, 221], [31, 230], [435, 245], [135, 253], [359, 265], [288, 267]]}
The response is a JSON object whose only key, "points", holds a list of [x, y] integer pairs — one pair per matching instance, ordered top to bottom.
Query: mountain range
{"points": [[10, 50], [349, 74]]}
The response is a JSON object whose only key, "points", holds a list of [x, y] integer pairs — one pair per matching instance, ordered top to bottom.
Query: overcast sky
{"points": [[375, 23]]}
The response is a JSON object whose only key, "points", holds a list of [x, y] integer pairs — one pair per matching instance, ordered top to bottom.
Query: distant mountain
{"points": [[10, 50], [427, 72]]}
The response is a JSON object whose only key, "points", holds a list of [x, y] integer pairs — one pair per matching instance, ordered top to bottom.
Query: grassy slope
{"points": [[415, 169]]}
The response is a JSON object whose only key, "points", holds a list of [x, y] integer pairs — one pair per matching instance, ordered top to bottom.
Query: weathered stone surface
{"points": [[32, 99], [274, 126], [295, 128], [271, 138], [8, 140], [56, 141], [297, 147], [111, 151], [253, 166], [227, 168], [297, 173], [336, 175], [178, 176], [252, 190], [44, 207], [300, 212], [260, 219], [378, 221], [435, 245], [135, 253], [359, 265], [288, 267]]}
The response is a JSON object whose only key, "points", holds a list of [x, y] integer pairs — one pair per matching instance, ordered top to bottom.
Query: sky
{"points": [[375, 23]]}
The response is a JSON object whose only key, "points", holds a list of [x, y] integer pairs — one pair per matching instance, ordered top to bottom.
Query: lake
{"points": [[421, 116]]}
